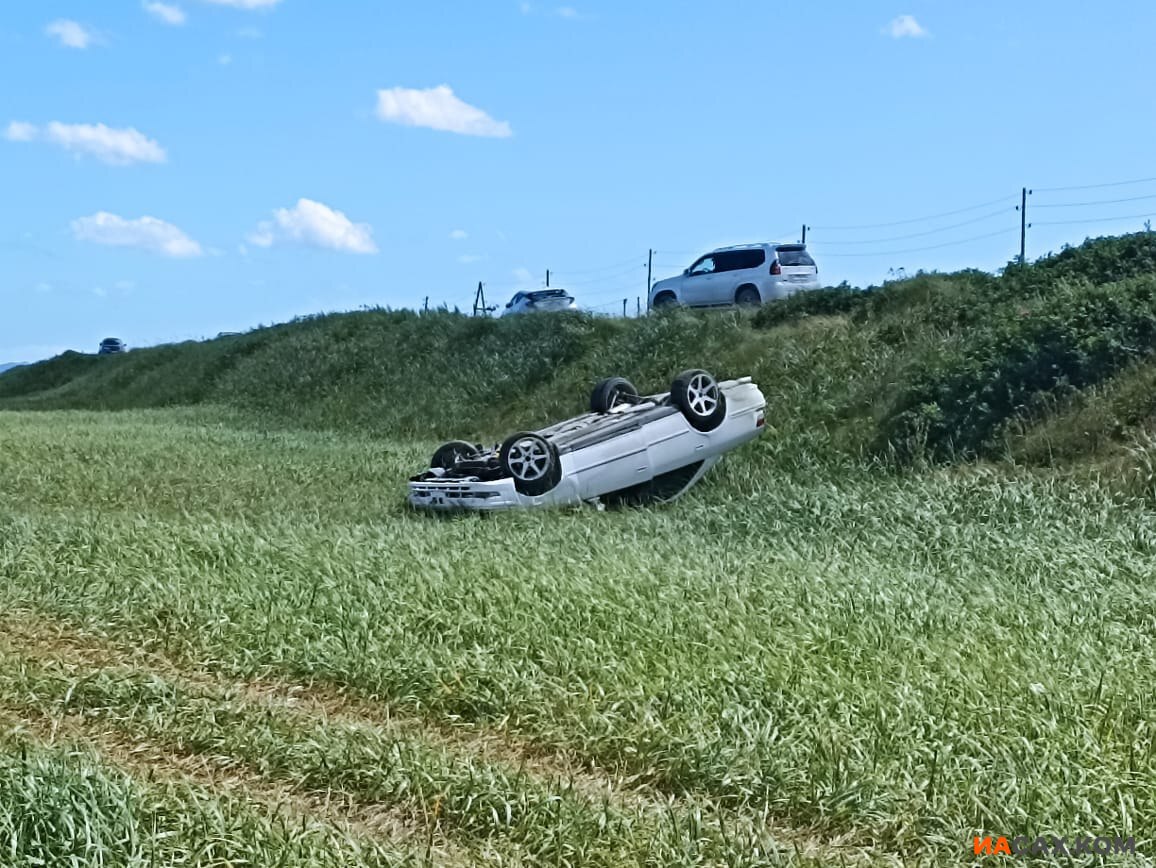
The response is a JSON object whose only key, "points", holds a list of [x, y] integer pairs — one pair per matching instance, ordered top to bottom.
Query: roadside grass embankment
{"points": [[938, 367]]}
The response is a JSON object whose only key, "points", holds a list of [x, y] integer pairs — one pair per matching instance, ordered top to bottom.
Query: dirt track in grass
{"points": [[59, 647]]}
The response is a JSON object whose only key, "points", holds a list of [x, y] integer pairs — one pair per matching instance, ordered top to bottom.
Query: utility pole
{"points": [[1024, 224], [804, 233], [649, 271], [547, 278], [425, 306], [638, 306], [624, 308]]}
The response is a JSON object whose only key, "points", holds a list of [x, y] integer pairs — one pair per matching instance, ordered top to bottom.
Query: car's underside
{"points": [[628, 450]]}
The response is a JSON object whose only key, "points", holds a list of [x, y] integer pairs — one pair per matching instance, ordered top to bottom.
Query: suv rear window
{"points": [[793, 256], [736, 260], [540, 294]]}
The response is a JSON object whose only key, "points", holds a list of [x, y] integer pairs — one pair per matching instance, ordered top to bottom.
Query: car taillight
{"points": [[776, 268]]}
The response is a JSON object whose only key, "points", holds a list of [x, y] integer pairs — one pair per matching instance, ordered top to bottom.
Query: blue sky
{"points": [[174, 169]]}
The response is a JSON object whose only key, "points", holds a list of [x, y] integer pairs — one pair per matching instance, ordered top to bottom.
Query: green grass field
{"points": [[224, 642]]}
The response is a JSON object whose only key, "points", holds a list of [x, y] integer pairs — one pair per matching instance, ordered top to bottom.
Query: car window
{"points": [[791, 257], [736, 260], [706, 265]]}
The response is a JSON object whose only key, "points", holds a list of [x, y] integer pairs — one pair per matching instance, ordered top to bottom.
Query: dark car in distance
{"points": [[111, 345]]}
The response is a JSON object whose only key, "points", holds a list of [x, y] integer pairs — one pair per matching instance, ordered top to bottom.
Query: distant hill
{"points": [[6, 365]]}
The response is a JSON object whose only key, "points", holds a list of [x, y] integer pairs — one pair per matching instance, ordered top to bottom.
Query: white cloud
{"points": [[245, 4], [527, 8], [567, 12], [166, 13], [905, 26], [249, 33], [71, 34], [225, 59], [438, 109], [18, 131], [115, 147], [316, 225], [145, 233], [459, 235], [470, 258], [522, 275]]}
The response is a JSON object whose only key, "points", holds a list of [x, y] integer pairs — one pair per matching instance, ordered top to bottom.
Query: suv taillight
{"points": [[776, 268]]}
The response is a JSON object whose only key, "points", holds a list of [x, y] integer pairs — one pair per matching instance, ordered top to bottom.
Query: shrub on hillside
{"points": [[1100, 260], [842, 299], [47, 375], [954, 404]]}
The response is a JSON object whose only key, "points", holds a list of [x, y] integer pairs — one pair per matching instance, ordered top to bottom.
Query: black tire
{"points": [[748, 296], [664, 301], [611, 392], [697, 394], [449, 454], [531, 461]]}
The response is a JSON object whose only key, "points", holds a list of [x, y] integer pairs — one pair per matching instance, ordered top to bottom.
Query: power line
{"points": [[1095, 186], [1001, 199], [1097, 202], [974, 220], [1093, 220], [930, 247], [595, 270], [606, 277], [614, 291], [617, 294]]}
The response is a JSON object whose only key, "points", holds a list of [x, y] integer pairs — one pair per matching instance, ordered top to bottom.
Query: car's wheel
{"points": [[748, 296], [664, 301], [611, 392], [697, 394], [449, 454], [532, 461]]}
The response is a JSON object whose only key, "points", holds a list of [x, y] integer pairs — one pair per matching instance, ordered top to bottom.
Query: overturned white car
{"points": [[629, 449]]}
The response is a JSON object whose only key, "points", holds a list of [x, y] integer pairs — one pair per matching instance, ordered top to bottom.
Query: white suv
{"points": [[748, 274]]}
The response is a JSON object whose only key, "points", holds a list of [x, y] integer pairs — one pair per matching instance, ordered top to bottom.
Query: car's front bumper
{"points": [[468, 493], [463, 494]]}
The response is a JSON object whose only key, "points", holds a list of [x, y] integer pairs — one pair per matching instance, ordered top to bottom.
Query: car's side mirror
{"points": [[686, 272]]}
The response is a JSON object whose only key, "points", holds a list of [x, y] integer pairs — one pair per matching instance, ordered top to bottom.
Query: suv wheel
{"points": [[748, 296], [664, 300]]}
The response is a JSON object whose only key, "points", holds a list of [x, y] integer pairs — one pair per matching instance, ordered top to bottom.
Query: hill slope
{"points": [[939, 366]]}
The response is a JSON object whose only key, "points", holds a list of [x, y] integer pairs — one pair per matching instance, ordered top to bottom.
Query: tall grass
{"points": [[899, 660], [62, 806]]}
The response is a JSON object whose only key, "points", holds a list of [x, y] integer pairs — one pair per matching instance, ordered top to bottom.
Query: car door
{"points": [[699, 286], [610, 456]]}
